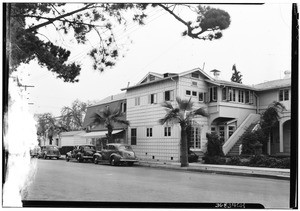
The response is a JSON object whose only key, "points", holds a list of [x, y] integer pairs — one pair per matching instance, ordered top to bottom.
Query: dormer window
{"points": [[151, 77]]}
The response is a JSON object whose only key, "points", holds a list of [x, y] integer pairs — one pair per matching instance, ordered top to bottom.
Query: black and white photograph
{"points": [[150, 105]]}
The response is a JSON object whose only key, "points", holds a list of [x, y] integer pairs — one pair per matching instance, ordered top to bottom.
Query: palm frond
{"points": [[167, 105], [185, 105], [201, 112]]}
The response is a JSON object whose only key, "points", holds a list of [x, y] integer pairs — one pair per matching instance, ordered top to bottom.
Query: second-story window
{"points": [[188, 92], [194, 93], [224, 93], [213, 94], [231, 94], [169, 95], [284, 95], [241, 96], [152, 98], [137, 101], [124, 107], [149, 132], [133, 136]]}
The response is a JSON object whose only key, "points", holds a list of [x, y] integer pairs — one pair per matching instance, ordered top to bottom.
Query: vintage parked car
{"points": [[35, 151], [49, 151], [81, 153], [116, 154]]}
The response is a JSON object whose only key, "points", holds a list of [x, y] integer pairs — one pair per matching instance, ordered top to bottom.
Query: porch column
{"points": [[280, 136], [269, 146]]}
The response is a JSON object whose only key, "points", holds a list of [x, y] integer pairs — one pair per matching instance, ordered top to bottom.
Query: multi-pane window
{"points": [[151, 77], [194, 83], [188, 92], [194, 93], [213, 94], [231, 94], [169, 95], [283, 95], [241, 96], [249, 97], [152, 98], [137, 101], [231, 130], [167, 131], [149, 132], [222, 133], [133, 136], [195, 141]]}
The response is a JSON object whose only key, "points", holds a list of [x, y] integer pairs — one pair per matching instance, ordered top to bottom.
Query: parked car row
{"points": [[48, 151], [114, 154]]}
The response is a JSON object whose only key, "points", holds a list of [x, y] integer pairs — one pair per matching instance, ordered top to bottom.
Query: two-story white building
{"points": [[232, 108]]}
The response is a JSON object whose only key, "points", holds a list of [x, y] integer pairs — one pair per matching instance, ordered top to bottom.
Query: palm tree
{"points": [[183, 113], [270, 117], [108, 118]]}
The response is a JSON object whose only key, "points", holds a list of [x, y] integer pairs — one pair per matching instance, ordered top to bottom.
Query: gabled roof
{"points": [[151, 73], [162, 77], [230, 83], [275, 84], [112, 98]]}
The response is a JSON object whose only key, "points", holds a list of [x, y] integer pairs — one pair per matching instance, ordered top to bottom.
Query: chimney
{"points": [[216, 73], [287, 74]]}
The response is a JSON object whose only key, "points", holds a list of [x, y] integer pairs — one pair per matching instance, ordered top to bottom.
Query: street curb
{"points": [[204, 169]]}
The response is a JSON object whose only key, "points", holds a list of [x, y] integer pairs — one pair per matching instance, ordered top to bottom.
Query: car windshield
{"points": [[125, 147], [52, 148], [89, 148]]}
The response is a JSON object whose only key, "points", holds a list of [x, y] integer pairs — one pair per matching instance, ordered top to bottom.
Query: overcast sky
{"points": [[258, 41]]}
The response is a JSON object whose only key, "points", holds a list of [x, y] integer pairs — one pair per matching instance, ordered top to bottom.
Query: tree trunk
{"points": [[109, 135], [184, 148]]}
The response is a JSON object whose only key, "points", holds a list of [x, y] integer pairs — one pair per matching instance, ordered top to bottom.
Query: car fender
{"points": [[97, 155], [117, 156]]}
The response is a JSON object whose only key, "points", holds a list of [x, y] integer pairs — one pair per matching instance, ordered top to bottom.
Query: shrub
{"points": [[252, 141], [214, 145], [214, 160], [235, 160], [270, 162]]}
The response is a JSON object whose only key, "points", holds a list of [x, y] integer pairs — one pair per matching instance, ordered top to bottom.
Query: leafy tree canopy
{"points": [[26, 42]]}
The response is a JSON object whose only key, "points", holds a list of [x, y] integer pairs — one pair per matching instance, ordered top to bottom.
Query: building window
{"points": [[195, 75], [151, 77], [194, 83], [188, 92], [194, 93], [224, 93], [213, 94], [231, 94], [169, 95], [283, 95], [201, 96], [241, 96], [247, 97], [152, 99], [137, 101], [123, 107], [213, 129], [231, 130], [167, 131], [149, 132], [222, 133], [133, 136], [195, 141]]}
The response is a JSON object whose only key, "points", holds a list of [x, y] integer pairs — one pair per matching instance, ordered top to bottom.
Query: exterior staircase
{"points": [[232, 144], [234, 151]]}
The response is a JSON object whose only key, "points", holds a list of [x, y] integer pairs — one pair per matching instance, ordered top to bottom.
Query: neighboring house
{"points": [[232, 108], [97, 134], [72, 138]]}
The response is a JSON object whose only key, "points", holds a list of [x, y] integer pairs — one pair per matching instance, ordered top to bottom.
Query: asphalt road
{"points": [[58, 180]]}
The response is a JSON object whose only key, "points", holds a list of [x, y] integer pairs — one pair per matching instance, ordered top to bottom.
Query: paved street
{"points": [[58, 180]]}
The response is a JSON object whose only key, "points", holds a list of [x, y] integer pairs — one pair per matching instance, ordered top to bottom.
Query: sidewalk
{"points": [[274, 173]]}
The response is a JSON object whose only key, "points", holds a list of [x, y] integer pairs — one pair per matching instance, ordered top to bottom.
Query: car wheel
{"points": [[67, 158], [79, 159], [96, 160], [113, 161]]}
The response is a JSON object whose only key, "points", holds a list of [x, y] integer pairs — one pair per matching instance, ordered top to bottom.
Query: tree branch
{"points": [[57, 18]]}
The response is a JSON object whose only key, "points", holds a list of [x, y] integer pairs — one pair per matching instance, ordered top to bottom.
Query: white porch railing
{"points": [[251, 118]]}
